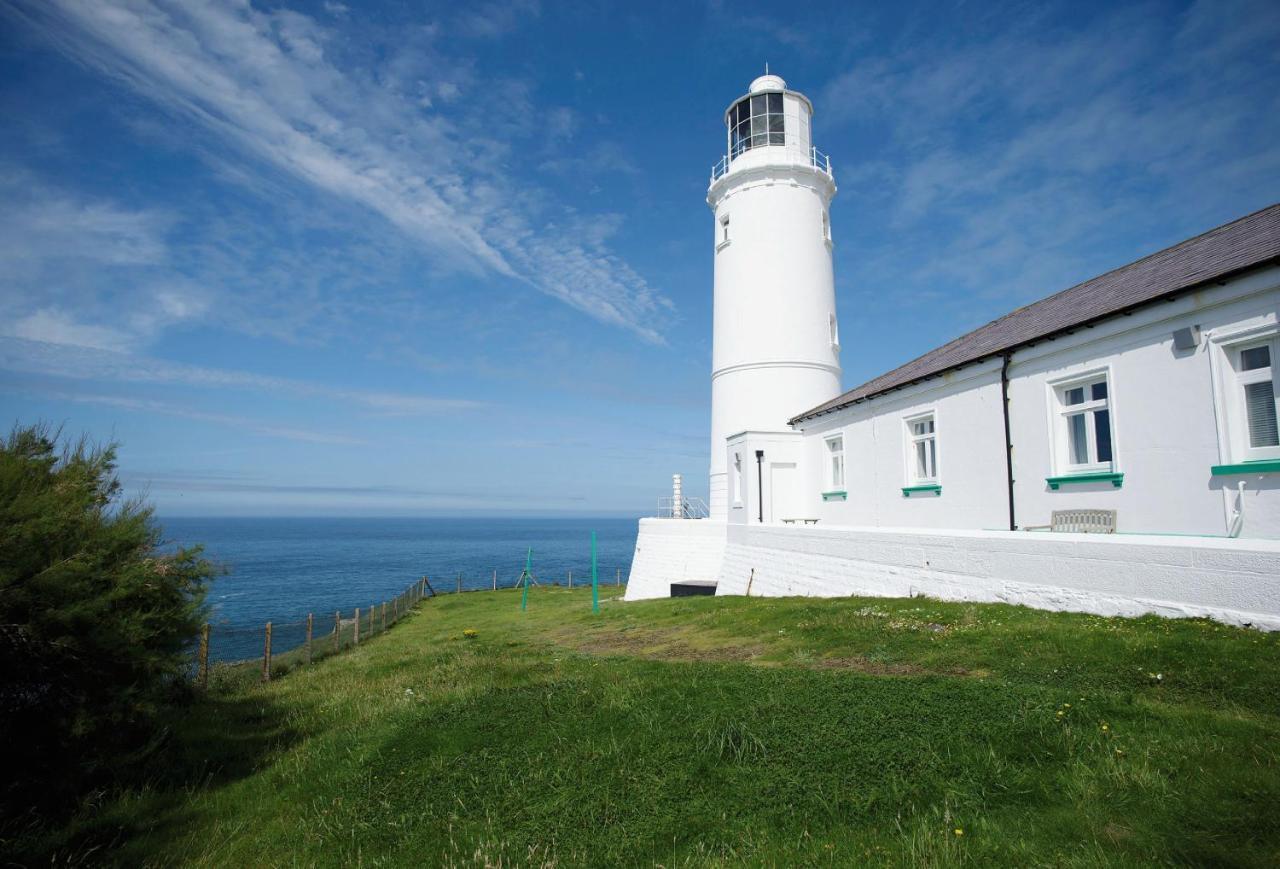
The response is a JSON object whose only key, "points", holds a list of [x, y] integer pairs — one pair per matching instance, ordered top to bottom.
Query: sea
{"points": [[281, 569]]}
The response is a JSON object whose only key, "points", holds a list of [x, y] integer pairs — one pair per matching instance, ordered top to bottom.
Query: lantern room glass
{"points": [[756, 121]]}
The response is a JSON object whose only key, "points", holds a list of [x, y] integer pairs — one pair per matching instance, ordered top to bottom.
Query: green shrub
{"points": [[96, 622]]}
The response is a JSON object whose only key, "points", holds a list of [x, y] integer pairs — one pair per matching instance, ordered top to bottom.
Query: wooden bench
{"points": [[801, 519], [1079, 522]]}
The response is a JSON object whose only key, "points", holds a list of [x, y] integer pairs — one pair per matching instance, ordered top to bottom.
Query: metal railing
{"points": [[816, 159], [687, 508]]}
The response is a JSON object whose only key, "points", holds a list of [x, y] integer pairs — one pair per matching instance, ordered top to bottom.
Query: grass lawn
{"points": [[722, 731]]}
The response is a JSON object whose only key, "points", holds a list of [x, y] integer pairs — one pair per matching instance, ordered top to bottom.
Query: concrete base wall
{"points": [[674, 550], [1234, 581]]}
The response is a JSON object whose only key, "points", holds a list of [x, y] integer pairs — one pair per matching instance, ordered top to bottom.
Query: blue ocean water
{"points": [[281, 569]]}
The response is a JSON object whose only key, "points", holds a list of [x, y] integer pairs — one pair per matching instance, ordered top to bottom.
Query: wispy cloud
{"points": [[264, 83], [1035, 156], [96, 364], [240, 423]]}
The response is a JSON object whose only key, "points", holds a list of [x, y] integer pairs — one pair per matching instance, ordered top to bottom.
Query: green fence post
{"points": [[528, 566], [595, 579]]}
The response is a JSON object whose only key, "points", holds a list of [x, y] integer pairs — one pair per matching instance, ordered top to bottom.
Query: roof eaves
{"points": [[1220, 279]]}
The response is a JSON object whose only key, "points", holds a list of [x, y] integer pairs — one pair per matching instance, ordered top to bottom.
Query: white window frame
{"points": [[826, 226], [722, 232], [833, 327], [1223, 346], [1229, 383], [1060, 412], [833, 460], [912, 476], [737, 479]]}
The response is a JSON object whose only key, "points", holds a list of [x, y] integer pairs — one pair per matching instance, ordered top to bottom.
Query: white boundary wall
{"points": [[674, 550], [1234, 581]]}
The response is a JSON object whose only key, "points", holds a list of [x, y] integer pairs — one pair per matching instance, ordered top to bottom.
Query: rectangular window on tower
{"points": [[723, 238], [736, 494]]}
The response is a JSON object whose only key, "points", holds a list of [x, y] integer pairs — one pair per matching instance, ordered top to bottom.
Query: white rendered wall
{"points": [[774, 298], [1165, 419], [1167, 422], [970, 461], [775, 483], [674, 550], [1234, 581]]}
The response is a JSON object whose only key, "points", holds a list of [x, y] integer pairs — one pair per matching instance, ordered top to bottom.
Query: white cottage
{"points": [[1143, 397]]}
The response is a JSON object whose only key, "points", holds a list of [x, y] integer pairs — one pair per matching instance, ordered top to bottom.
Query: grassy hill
{"points": [[722, 731]]}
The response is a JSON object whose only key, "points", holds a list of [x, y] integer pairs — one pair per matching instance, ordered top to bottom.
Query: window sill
{"points": [[722, 245], [1258, 466], [1116, 479], [922, 489], [835, 496]]}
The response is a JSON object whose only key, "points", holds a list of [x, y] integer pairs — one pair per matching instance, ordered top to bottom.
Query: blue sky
{"points": [[415, 258]]}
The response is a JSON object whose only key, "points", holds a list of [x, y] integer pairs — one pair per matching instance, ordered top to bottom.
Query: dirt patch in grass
{"points": [[663, 645], [885, 668]]}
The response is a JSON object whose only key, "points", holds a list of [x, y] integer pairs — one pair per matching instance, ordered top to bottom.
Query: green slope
{"points": [[725, 731]]}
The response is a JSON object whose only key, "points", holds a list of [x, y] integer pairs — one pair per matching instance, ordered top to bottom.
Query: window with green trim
{"points": [[1256, 399], [1084, 426], [922, 449], [835, 462]]}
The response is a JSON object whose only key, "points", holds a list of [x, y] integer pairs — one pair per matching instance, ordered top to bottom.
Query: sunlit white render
{"points": [[775, 344]]}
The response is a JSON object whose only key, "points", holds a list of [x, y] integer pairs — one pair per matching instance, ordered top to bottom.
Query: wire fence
{"points": [[235, 654]]}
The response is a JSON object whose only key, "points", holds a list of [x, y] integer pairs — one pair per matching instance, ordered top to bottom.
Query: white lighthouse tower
{"points": [[776, 348]]}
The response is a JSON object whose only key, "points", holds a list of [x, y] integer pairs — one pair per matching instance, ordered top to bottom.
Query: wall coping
{"points": [[1238, 544]]}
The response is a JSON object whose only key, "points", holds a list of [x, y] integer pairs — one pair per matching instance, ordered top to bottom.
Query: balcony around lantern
{"points": [[813, 158]]}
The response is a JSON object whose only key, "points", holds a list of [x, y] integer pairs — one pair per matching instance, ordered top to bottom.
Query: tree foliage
{"points": [[97, 621]]}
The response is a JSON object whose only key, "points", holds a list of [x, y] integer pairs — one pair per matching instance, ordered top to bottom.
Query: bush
{"points": [[96, 622]]}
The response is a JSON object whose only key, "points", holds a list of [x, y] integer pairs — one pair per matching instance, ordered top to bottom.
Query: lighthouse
{"points": [[775, 343]]}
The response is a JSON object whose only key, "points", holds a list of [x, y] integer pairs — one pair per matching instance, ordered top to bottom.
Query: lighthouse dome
{"points": [[768, 83]]}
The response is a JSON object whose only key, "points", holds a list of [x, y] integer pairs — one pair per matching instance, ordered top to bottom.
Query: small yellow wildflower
{"points": [[470, 633], [1068, 705], [1061, 713], [1105, 727], [959, 832]]}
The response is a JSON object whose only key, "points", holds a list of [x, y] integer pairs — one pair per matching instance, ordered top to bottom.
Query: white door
{"points": [[782, 492]]}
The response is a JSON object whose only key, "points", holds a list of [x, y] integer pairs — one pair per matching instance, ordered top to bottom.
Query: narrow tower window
{"points": [[826, 226], [835, 330]]}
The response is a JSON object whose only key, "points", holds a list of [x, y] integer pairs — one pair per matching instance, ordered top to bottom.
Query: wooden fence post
{"points": [[617, 578], [495, 579], [571, 579], [459, 583], [372, 609], [384, 615], [310, 617], [337, 630], [356, 636], [266, 656], [202, 677]]}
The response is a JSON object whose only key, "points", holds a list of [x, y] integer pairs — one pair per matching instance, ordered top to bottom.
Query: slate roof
{"points": [[1243, 244]]}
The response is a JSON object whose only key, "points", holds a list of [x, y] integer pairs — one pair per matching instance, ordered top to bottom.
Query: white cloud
{"points": [[264, 83], [1023, 160], [52, 326], [82, 361], [239, 423]]}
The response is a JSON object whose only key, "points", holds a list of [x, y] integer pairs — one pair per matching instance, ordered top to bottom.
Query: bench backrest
{"points": [[1084, 521]]}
